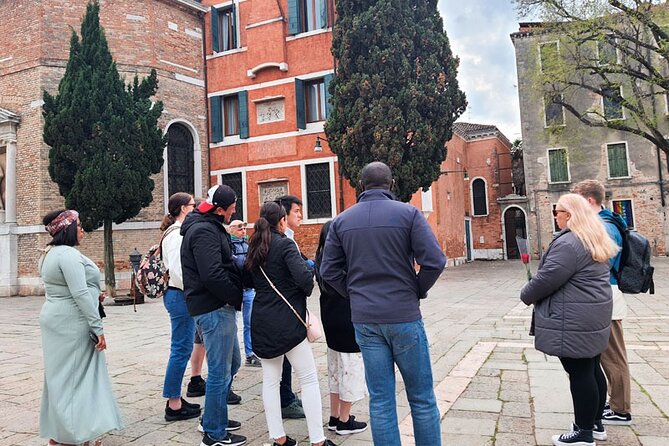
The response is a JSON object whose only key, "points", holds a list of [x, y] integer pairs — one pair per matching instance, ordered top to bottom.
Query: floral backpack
{"points": [[152, 276]]}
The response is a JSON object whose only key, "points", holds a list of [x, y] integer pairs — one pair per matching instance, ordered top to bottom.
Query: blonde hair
{"points": [[588, 227]]}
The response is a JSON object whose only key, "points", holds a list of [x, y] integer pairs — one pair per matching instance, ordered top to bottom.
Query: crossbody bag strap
{"points": [[162, 237], [284, 299]]}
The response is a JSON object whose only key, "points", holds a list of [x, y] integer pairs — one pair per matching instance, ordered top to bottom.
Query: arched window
{"points": [[180, 160], [479, 197]]}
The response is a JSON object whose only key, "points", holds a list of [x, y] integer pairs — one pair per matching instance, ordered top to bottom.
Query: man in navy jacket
{"points": [[369, 255]]}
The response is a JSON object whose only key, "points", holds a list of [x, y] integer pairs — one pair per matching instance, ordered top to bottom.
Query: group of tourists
{"points": [[374, 264]]}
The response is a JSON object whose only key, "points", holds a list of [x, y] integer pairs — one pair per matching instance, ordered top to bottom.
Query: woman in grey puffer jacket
{"points": [[573, 305]]}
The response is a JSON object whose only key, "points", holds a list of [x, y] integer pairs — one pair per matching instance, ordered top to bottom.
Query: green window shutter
{"points": [[293, 17], [234, 26], [214, 30], [326, 80], [300, 105], [216, 112], [243, 114], [617, 160], [558, 165]]}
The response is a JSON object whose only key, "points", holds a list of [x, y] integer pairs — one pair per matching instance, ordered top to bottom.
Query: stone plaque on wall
{"points": [[270, 111], [260, 150], [270, 191]]}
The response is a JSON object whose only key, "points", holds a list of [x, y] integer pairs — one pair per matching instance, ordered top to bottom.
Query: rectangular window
{"points": [[314, 14], [227, 29], [606, 51], [548, 56], [314, 95], [612, 103], [553, 112], [230, 115], [617, 156], [558, 164], [234, 180], [319, 193], [624, 209]]}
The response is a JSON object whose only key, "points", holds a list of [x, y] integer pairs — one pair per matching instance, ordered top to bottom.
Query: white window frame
{"points": [[238, 34], [597, 51], [541, 69], [620, 87], [564, 118], [627, 156], [197, 161], [548, 166], [219, 180], [471, 195], [305, 196], [633, 210]]}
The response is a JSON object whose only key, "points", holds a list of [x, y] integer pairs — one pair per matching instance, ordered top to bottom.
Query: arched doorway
{"points": [[180, 169], [514, 226]]}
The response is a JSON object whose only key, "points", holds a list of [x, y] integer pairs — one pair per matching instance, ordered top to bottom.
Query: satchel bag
{"points": [[313, 325]]}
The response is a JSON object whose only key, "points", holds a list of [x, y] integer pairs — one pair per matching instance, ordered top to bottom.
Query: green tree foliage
{"points": [[606, 47], [395, 94], [104, 138]]}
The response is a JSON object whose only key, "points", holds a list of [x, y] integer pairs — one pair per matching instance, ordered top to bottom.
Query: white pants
{"points": [[302, 360]]}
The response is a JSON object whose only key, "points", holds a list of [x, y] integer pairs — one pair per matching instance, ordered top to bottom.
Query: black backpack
{"points": [[635, 274]]}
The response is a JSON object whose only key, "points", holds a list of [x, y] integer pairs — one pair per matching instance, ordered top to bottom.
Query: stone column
{"points": [[10, 183]]}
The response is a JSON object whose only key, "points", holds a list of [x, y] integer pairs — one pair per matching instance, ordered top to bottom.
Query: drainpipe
{"points": [[206, 99]]}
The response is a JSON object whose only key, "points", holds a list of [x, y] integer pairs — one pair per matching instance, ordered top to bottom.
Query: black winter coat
{"points": [[211, 279], [275, 329]]}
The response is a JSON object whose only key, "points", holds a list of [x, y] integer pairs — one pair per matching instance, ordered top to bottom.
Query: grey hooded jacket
{"points": [[572, 299]]}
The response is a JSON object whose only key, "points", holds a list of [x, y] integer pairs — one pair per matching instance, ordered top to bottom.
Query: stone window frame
{"points": [[541, 44], [598, 52], [545, 108], [622, 108], [627, 159], [197, 160], [548, 165], [471, 194], [305, 195]]}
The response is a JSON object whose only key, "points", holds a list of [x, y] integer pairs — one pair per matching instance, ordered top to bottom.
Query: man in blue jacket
{"points": [[369, 255], [614, 358]]}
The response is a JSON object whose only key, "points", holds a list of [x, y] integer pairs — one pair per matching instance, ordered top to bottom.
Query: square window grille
{"points": [[319, 193]]}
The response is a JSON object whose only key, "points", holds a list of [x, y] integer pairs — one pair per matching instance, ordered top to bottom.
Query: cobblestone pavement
{"points": [[493, 388]]}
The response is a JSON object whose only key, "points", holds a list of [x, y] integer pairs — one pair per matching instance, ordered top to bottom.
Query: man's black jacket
{"points": [[211, 279]]}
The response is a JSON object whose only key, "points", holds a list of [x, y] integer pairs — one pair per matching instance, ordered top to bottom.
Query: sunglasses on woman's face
{"points": [[239, 226]]}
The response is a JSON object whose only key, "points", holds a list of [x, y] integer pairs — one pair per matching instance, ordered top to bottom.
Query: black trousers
{"points": [[286, 385], [588, 389]]}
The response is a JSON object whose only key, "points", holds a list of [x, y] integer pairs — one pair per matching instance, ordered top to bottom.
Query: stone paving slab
{"points": [[492, 387]]}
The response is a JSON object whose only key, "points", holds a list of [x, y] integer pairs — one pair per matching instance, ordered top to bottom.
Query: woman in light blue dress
{"points": [[78, 404]]}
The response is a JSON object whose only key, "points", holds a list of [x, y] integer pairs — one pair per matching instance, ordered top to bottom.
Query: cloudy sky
{"points": [[479, 34]]}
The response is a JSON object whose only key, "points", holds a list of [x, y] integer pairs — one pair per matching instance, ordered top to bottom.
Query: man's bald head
{"points": [[376, 175]]}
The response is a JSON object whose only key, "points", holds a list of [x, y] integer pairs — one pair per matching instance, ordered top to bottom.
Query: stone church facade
{"points": [[165, 35]]}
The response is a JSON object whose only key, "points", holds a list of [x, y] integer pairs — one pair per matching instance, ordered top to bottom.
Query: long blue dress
{"points": [[78, 404]]}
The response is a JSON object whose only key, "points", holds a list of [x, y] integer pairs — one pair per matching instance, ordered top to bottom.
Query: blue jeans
{"points": [[247, 305], [219, 334], [181, 342], [404, 344]]}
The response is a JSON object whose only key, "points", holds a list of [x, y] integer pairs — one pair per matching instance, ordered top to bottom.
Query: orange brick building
{"points": [[268, 67]]}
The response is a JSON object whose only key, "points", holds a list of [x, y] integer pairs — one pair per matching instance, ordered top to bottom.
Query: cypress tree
{"points": [[395, 93], [104, 136]]}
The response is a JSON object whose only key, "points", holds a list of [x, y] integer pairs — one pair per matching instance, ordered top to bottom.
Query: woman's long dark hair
{"points": [[174, 208], [270, 216], [321, 244]]}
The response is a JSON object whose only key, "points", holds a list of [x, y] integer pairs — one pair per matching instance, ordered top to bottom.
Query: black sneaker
{"points": [[196, 387], [233, 398], [191, 405], [185, 413], [615, 418], [332, 424], [232, 426], [350, 427], [598, 431], [577, 437], [229, 440], [289, 442], [328, 443]]}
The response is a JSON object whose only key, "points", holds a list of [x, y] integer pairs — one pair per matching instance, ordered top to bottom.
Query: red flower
{"points": [[525, 258]]}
